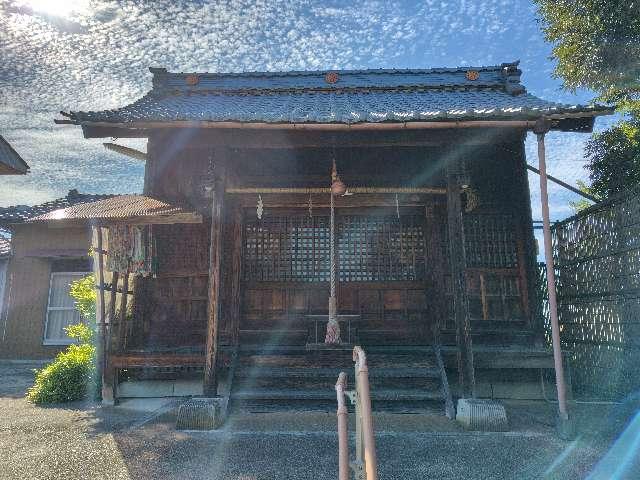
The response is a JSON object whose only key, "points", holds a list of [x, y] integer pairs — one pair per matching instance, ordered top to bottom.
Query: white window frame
{"points": [[67, 341]]}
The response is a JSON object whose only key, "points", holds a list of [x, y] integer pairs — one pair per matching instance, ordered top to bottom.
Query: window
{"points": [[61, 311]]}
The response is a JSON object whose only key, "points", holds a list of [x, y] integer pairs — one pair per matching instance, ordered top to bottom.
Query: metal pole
{"points": [[540, 130], [362, 382], [343, 436]]}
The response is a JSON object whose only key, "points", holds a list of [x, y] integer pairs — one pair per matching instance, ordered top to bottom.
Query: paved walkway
{"points": [[88, 441]]}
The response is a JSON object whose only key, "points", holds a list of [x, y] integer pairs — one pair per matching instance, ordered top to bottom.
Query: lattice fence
{"points": [[597, 257]]}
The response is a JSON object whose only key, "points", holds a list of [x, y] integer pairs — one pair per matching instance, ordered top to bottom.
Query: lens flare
{"points": [[57, 8]]}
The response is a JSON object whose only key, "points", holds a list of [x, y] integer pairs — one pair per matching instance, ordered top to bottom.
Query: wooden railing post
{"points": [[364, 399], [343, 434]]}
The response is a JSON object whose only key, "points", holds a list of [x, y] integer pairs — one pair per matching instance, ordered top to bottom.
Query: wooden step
{"points": [[343, 363], [306, 372], [377, 395]]}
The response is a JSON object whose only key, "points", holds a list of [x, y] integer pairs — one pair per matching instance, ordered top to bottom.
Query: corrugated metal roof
{"points": [[371, 96], [10, 162], [121, 207], [23, 213], [5, 247]]}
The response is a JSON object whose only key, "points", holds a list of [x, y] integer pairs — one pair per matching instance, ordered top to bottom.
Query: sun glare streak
{"points": [[620, 457]]}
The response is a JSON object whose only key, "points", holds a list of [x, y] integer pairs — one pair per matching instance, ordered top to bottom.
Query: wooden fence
{"points": [[597, 258]]}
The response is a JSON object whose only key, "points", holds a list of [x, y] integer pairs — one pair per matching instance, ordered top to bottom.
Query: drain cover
{"points": [[198, 414], [485, 415]]}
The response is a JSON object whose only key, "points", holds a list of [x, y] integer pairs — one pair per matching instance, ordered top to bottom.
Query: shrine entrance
{"points": [[385, 294]]}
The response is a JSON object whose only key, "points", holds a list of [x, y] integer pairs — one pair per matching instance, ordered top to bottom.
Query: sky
{"points": [[85, 55]]}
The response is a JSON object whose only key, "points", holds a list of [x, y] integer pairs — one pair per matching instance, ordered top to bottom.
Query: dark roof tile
{"points": [[357, 96]]}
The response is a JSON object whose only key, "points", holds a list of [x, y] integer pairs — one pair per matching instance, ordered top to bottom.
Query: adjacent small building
{"points": [[11, 163], [37, 264]]}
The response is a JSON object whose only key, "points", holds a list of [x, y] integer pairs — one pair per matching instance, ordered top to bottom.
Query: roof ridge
{"points": [[382, 71], [293, 90]]}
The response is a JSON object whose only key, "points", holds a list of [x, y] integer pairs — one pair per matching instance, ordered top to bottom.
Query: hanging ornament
{"points": [[337, 186], [470, 198], [260, 207], [310, 207], [397, 207]]}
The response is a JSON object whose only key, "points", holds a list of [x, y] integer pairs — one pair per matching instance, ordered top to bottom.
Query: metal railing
{"points": [[365, 466]]}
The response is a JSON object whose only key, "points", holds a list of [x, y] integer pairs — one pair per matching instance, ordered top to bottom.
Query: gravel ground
{"points": [[87, 441]]}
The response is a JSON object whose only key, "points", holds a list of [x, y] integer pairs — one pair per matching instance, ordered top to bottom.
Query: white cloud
{"points": [[99, 59]]}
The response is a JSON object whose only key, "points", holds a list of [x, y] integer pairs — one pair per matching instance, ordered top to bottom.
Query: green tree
{"points": [[597, 46], [614, 159]]}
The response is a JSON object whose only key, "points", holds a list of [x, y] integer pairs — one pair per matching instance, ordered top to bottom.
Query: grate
{"points": [[198, 414], [485, 415]]}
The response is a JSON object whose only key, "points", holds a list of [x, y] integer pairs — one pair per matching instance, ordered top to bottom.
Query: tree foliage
{"points": [[597, 46], [614, 159], [83, 292]]}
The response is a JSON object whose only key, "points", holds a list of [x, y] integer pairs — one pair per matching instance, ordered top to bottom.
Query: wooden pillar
{"points": [[457, 260], [215, 263], [236, 272], [100, 310], [109, 377]]}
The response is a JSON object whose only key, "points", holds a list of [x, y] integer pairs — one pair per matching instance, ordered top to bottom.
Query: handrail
{"points": [[364, 399], [343, 437], [365, 465]]}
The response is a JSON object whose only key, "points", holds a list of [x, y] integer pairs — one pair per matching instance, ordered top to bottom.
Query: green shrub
{"points": [[69, 376], [66, 378]]}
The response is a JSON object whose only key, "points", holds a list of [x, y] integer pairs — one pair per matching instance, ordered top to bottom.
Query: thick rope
{"points": [[333, 327]]}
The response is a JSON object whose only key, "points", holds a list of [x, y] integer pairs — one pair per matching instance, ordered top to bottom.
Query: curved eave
{"points": [[568, 121]]}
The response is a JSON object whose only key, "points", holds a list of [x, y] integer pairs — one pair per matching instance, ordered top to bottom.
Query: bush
{"points": [[68, 377]]}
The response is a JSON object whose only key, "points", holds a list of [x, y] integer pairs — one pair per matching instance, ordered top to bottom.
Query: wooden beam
{"points": [[282, 139], [571, 188], [327, 190], [320, 201], [171, 219], [457, 261], [215, 263], [122, 325], [131, 360]]}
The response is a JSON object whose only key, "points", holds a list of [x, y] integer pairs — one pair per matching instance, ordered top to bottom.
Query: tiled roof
{"points": [[356, 96], [10, 162], [122, 207], [24, 213]]}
